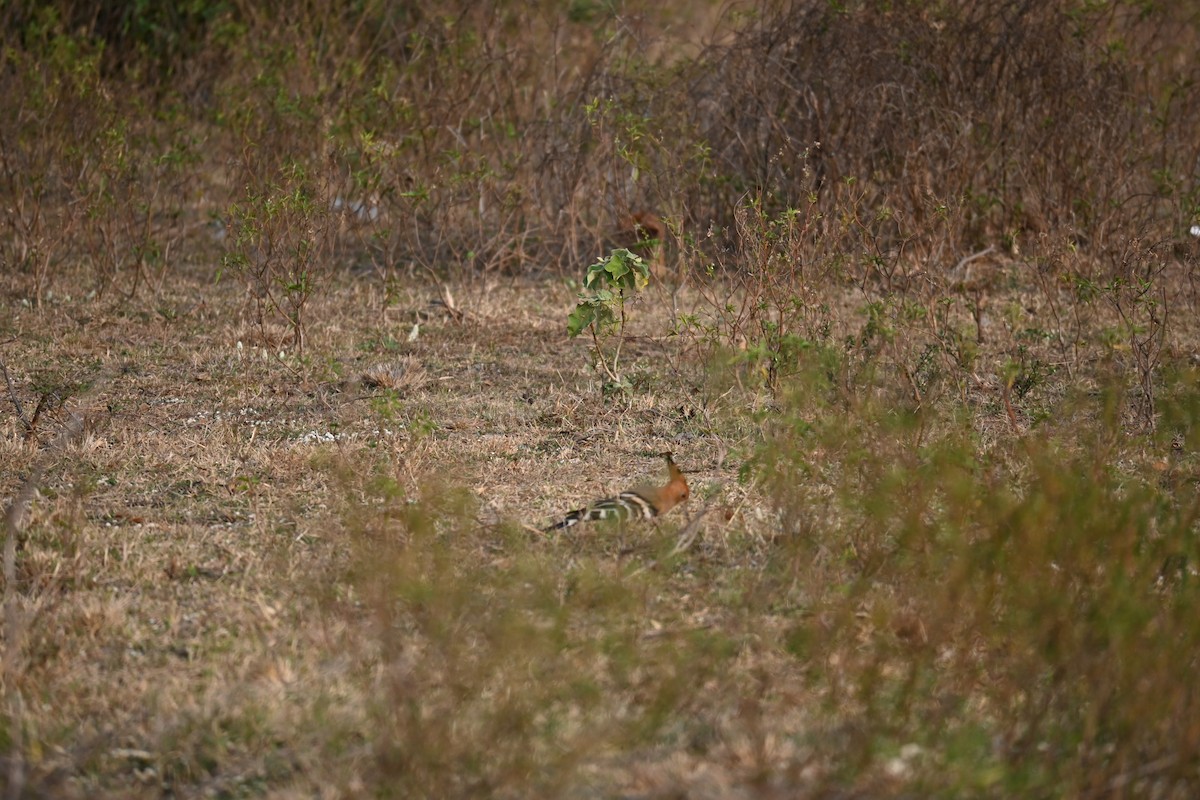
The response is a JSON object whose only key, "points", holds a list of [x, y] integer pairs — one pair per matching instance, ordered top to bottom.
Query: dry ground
{"points": [[934, 376], [261, 574], [191, 619]]}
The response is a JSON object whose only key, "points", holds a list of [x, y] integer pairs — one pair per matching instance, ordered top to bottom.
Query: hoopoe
{"points": [[645, 502]]}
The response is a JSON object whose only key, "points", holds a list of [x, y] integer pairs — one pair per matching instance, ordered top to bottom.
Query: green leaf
{"points": [[622, 268], [617, 269], [634, 273], [595, 274], [606, 284], [580, 318], [606, 319]]}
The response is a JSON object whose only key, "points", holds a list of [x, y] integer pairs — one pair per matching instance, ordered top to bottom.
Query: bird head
{"points": [[676, 491]]}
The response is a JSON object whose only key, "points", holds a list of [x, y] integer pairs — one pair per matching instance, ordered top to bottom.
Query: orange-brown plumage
{"points": [[647, 236], [645, 502]]}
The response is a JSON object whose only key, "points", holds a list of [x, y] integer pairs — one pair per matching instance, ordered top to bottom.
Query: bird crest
{"points": [[644, 502]]}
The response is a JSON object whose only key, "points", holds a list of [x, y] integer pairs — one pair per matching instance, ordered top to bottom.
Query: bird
{"points": [[648, 237], [644, 502]]}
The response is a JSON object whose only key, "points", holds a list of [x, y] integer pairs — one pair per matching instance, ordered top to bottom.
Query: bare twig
{"points": [[961, 266], [600, 354], [1006, 395], [16, 401], [43, 403], [16, 517], [15, 520], [688, 535], [685, 539], [16, 762], [1143, 772]]}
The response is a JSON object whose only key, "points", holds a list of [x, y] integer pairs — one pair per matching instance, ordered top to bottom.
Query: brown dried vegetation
{"points": [[286, 383]]}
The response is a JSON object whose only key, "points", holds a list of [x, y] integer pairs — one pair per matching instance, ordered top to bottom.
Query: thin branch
{"points": [[961, 265], [620, 333], [599, 352], [16, 401], [16, 517]]}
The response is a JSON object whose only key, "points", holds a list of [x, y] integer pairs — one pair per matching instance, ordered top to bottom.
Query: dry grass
{"points": [[288, 387], [185, 567], [260, 574]]}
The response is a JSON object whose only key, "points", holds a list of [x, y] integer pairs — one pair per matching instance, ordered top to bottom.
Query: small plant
{"points": [[282, 239], [601, 306]]}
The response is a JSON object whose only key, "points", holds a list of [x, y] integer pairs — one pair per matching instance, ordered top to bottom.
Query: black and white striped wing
{"points": [[626, 505]]}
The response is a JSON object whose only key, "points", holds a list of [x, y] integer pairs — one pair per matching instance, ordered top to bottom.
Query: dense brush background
{"points": [[925, 330]]}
